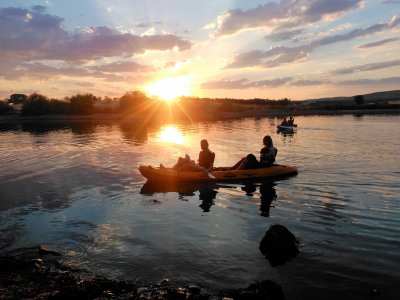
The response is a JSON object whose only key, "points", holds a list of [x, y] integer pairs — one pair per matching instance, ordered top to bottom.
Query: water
{"points": [[76, 187]]}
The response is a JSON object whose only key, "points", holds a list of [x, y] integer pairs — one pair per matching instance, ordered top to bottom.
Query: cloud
{"points": [[391, 1], [39, 8], [285, 14], [33, 35], [283, 35], [378, 43], [281, 54], [123, 66], [367, 67], [38, 70], [367, 81], [272, 82], [306, 82], [244, 83], [227, 84]]}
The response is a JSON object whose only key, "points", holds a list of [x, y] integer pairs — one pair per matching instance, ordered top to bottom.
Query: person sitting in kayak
{"points": [[291, 121], [284, 122], [206, 156], [267, 157], [206, 160]]}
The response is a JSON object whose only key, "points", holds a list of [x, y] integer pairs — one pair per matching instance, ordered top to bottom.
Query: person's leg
{"points": [[250, 162], [180, 163], [236, 166]]}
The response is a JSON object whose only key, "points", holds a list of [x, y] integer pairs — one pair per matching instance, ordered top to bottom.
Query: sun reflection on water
{"points": [[171, 134]]}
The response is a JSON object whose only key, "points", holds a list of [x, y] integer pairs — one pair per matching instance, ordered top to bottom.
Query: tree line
{"points": [[130, 102]]}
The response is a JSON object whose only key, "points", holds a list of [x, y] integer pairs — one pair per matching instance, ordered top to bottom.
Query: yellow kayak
{"points": [[219, 174]]}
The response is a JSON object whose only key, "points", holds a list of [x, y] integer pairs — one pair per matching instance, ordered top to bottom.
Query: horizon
{"points": [[300, 50]]}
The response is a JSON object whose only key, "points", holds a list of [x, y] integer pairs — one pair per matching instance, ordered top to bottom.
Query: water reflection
{"points": [[44, 127], [39, 128], [83, 128], [134, 132], [171, 134], [182, 188], [208, 192], [267, 195], [207, 197]]}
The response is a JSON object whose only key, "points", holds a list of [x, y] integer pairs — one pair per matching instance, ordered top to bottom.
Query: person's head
{"points": [[267, 141], [204, 144]]}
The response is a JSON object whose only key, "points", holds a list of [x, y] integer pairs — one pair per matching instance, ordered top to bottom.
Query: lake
{"points": [[76, 187]]}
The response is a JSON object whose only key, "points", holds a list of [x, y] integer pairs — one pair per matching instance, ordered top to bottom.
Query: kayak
{"points": [[286, 128], [219, 174]]}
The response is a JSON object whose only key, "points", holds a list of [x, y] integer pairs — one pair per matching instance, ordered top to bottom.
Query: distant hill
{"points": [[373, 97]]}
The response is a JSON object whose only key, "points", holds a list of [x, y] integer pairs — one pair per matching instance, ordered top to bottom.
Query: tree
{"points": [[18, 98], [359, 99], [132, 101], [36, 104], [82, 104], [5, 108]]}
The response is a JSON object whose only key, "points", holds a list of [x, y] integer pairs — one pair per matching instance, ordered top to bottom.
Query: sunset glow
{"points": [[295, 49], [169, 89], [171, 134]]}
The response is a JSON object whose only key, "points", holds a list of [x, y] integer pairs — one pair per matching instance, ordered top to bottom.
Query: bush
{"points": [[359, 99], [132, 101], [82, 104], [36, 105], [5, 108]]}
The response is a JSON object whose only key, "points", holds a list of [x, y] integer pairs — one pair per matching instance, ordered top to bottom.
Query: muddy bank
{"points": [[43, 274]]}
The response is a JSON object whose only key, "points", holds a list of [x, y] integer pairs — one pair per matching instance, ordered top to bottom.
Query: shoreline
{"points": [[214, 117], [39, 273]]}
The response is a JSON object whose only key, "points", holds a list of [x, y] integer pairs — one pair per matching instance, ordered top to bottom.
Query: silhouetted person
{"points": [[206, 156], [267, 157], [205, 160]]}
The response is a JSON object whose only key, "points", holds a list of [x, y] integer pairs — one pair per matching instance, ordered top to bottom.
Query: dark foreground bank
{"points": [[42, 274]]}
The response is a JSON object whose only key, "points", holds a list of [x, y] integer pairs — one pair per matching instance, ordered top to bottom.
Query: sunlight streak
{"points": [[169, 89], [171, 134]]}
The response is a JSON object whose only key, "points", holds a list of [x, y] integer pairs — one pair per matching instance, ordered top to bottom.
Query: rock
{"points": [[279, 245], [43, 250], [194, 289], [267, 290], [374, 293]]}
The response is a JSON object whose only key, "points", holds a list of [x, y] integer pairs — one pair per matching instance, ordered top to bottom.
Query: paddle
{"points": [[209, 174]]}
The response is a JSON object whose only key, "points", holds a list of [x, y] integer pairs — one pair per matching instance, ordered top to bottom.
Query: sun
{"points": [[170, 88]]}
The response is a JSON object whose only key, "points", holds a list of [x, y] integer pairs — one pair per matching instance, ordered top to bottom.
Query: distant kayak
{"points": [[287, 128], [220, 174]]}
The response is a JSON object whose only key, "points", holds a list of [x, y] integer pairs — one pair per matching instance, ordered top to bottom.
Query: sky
{"points": [[296, 49]]}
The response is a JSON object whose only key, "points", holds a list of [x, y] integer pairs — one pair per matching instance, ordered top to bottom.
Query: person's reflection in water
{"points": [[249, 188], [267, 195], [207, 196]]}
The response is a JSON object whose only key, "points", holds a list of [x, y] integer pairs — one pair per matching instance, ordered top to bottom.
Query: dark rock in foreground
{"points": [[279, 245], [43, 276]]}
